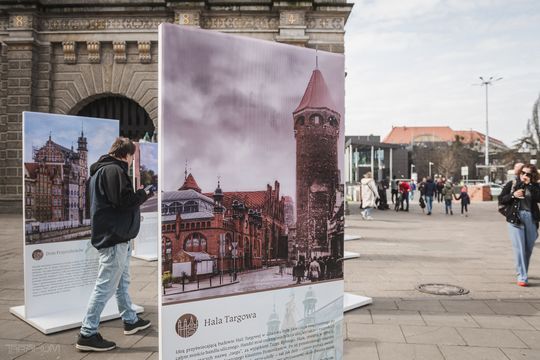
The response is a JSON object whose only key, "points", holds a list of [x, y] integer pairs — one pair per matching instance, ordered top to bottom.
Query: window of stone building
{"points": [[134, 120]]}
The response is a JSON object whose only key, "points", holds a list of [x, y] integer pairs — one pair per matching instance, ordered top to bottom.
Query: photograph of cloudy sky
{"points": [[227, 108]]}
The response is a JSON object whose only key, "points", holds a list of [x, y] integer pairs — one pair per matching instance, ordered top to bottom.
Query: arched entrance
{"points": [[134, 120]]}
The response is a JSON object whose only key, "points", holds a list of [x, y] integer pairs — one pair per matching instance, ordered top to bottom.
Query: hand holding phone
{"points": [[148, 189]]}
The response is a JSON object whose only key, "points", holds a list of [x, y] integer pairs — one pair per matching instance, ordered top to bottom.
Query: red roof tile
{"points": [[317, 94], [408, 134], [470, 136], [31, 169], [190, 183]]}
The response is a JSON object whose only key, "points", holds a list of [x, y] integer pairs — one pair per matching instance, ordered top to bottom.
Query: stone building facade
{"points": [[99, 57]]}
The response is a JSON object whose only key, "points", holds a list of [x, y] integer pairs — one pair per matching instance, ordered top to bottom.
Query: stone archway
{"points": [[134, 120]]}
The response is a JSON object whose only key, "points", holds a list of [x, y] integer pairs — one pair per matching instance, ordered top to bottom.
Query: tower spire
{"points": [[317, 57], [185, 171]]}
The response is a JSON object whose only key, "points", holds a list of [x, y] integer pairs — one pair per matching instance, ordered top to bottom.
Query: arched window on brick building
{"points": [[195, 242]]}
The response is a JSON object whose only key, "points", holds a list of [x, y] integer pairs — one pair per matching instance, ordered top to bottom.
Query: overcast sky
{"points": [[413, 62], [227, 108]]}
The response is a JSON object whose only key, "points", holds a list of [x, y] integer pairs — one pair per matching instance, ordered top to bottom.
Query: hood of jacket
{"points": [[105, 160]]}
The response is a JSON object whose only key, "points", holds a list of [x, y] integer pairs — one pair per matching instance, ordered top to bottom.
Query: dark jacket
{"points": [[430, 188], [464, 197], [507, 198], [114, 205]]}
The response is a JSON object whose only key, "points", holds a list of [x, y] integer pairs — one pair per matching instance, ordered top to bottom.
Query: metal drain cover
{"points": [[441, 289]]}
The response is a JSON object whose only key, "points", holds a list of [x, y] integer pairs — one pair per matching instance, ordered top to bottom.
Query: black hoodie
{"points": [[114, 205]]}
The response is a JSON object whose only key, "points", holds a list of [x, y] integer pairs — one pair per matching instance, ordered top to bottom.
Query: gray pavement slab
{"points": [[496, 320]]}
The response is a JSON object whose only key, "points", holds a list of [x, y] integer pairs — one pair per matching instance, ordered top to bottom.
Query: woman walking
{"points": [[369, 195], [520, 199]]}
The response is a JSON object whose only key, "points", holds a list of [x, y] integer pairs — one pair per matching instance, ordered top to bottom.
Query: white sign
{"points": [[464, 171]]}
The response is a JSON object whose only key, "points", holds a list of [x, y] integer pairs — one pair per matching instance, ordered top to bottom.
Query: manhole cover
{"points": [[441, 289]]}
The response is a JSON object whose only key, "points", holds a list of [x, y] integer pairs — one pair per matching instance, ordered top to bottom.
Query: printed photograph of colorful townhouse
{"points": [[58, 152]]}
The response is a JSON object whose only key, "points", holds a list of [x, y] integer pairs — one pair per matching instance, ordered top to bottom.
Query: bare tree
{"points": [[531, 139]]}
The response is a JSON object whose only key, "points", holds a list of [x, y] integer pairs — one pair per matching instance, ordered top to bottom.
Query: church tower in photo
{"points": [[316, 129]]}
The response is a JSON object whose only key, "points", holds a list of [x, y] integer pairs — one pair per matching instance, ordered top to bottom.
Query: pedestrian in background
{"points": [[440, 187], [394, 188], [413, 189], [404, 190], [430, 191], [370, 194], [448, 195], [521, 198], [465, 199], [314, 270]]}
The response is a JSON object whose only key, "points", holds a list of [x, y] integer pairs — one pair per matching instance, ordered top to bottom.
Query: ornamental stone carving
{"points": [[189, 18], [21, 21], [241, 22], [336, 23], [93, 24], [93, 48], [119, 49], [70, 53], [145, 55]]}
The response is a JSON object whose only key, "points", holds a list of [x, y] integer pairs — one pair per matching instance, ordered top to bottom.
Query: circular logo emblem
{"points": [[37, 254], [187, 325]]}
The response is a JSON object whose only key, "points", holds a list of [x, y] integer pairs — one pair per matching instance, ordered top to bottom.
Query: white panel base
{"points": [[352, 237], [350, 255], [146, 257], [351, 301], [66, 319]]}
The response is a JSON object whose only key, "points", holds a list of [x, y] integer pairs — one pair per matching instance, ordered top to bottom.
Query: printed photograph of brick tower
{"points": [[58, 151], [319, 193], [251, 196]]}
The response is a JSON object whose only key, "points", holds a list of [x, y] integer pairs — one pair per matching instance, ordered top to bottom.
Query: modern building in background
{"points": [[99, 58], [411, 135], [368, 154]]}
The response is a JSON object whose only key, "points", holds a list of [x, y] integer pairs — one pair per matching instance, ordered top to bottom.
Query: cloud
{"points": [[418, 68], [228, 107]]}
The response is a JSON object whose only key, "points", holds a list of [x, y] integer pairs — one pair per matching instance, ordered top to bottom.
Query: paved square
{"points": [[496, 320]]}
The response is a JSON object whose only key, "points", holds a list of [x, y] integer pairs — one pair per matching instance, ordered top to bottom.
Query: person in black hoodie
{"points": [[430, 189], [521, 199], [115, 215]]}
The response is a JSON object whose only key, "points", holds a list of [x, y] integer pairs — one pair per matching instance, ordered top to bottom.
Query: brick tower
{"points": [[316, 129]]}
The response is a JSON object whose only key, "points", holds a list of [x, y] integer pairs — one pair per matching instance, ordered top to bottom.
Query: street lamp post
{"points": [[487, 83], [430, 163], [412, 167]]}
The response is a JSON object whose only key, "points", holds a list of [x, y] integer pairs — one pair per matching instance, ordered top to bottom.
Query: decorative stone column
{"points": [[292, 22], [22, 62]]}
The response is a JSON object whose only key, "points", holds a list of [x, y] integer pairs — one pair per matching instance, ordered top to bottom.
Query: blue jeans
{"points": [[429, 203], [447, 205], [523, 238], [113, 277]]}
